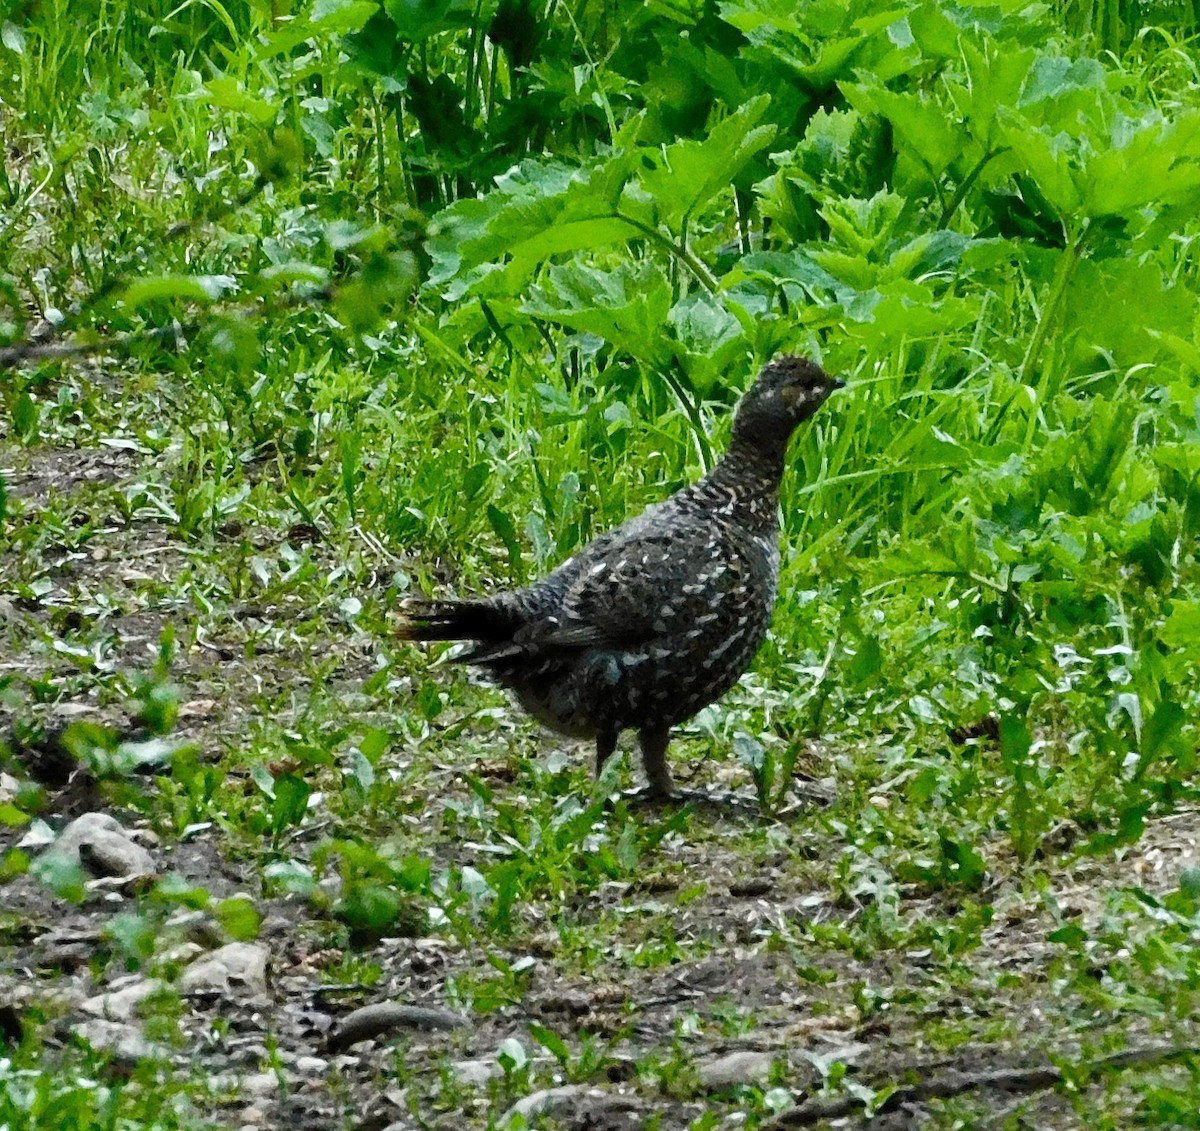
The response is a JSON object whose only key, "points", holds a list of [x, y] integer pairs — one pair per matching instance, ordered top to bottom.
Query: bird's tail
{"points": [[420, 619]]}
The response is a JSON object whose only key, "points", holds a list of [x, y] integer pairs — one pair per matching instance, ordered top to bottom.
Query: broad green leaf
{"points": [[343, 15], [418, 20], [12, 37], [1055, 77], [229, 94], [921, 125], [1052, 160], [1151, 162], [688, 174], [538, 209], [192, 288], [627, 306], [707, 339], [25, 416], [1181, 629], [1161, 734], [290, 802], [239, 917]]}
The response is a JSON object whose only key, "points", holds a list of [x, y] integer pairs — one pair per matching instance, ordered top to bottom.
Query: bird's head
{"points": [[787, 391]]}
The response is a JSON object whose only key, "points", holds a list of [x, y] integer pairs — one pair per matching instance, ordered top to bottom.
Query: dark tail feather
{"points": [[420, 619]]}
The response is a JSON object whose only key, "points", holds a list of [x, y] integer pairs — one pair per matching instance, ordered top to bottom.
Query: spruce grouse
{"points": [[657, 618]]}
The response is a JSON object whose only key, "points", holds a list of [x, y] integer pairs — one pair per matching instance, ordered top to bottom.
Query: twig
{"points": [[31, 350], [47, 351], [955, 1082]]}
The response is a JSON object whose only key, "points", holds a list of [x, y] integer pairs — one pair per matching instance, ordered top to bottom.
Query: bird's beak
{"points": [[839, 383]]}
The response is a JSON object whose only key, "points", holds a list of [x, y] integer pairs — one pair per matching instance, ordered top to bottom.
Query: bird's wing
{"points": [[645, 587]]}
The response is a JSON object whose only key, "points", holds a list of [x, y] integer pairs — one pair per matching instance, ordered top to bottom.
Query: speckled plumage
{"points": [[657, 618]]}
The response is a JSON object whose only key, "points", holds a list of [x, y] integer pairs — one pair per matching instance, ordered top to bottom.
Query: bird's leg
{"points": [[606, 743], [654, 759]]}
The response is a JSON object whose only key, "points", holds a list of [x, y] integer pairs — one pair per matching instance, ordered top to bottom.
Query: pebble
{"points": [[98, 842], [237, 964], [120, 1001], [744, 1067]]}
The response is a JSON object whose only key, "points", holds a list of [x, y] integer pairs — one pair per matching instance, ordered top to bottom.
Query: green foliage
{"points": [[415, 296]]}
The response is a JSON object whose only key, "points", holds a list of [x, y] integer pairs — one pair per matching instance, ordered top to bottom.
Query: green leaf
{"points": [[343, 15], [418, 20], [12, 37], [1055, 76], [226, 93], [922, 126], [1051, 159], [1151, 161], [687, 175], [538, 209], [191, 288], [627, 306], [707, 340], [25, 416], [502, 524], [1181, 629], [866, 662], [1161, 734], [373, 743], [290, 802], [961, 862], [13, 863], [61, 874], [1189, 883], [175, 889], [372, 911], [239, 917], [133, 934], [1069, 934], [551, 1042]]}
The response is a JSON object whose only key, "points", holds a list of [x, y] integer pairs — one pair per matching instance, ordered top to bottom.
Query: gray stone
{"points": [[97, 842], [240, 965], [120, 1001], [124, 1042], [744, 1067], [476, 1073], [260, 1085], [550, 1101]]}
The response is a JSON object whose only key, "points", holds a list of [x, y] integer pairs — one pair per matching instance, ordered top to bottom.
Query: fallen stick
{"points": [[955, 1082]]}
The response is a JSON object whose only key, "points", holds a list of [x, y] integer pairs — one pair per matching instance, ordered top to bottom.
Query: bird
{"points": [[658, 617]]}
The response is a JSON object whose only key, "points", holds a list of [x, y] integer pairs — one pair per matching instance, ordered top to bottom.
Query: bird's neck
{"points": [[745, 482]]}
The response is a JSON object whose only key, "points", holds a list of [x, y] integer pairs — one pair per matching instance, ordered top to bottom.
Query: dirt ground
{"points": [[735, 1011]]}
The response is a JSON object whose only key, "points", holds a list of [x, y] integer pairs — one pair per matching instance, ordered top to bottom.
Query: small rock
{"points": [[9, 788], [98, 843], [65, 948], [182, 954], [241, 964], [120, 1001], [124, 1042], [311, 1065], [745, 1067], [476, 1073], [260, 1085], [549, 1101]]}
